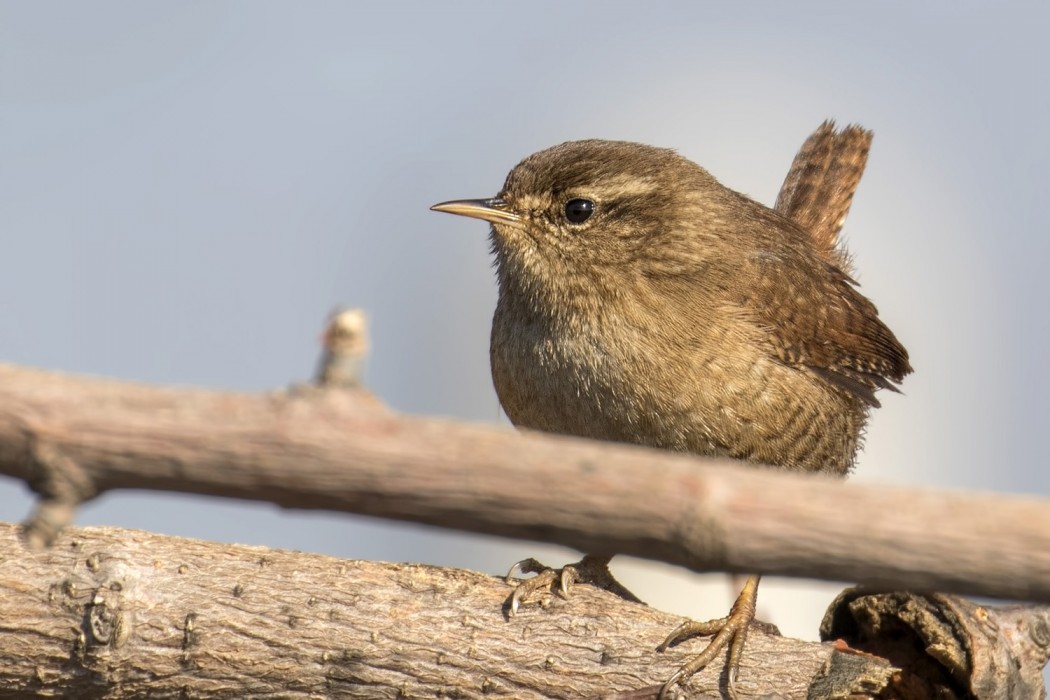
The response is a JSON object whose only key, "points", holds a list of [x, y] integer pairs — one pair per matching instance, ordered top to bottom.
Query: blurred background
{"points": [[186, 190]]}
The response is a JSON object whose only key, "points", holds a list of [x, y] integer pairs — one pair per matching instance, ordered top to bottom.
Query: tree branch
{"points": [[343, 451], [132, 614]]}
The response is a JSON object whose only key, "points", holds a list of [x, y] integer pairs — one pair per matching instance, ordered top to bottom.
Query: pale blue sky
{"points": [[187, 188]]}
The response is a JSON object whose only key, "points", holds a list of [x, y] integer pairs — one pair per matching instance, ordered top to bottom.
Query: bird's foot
{"points": [[592, 569], [730, 631]]}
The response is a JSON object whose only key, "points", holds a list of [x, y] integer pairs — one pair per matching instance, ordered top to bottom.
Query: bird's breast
{"points": [[601, 376], [672, 385]]}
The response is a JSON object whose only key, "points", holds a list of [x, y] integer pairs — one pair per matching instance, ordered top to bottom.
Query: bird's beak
{"points": [[494, 210]]}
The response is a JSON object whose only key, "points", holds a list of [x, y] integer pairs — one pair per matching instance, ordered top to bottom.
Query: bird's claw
{"points": [[591, 569], [544, 579], [730, 631]]}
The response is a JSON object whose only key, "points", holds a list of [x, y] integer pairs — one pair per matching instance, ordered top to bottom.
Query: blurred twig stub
{"points": [[344, 349]]}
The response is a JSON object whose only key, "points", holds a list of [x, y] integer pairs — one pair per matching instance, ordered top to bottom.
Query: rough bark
{"points": [[127, 614], [946, 646]]}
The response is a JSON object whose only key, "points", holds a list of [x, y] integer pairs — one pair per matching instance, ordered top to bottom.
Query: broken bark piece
{"points": [[946, 646]]}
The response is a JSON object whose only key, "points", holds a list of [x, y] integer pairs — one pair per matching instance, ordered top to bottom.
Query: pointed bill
{"points": [[493, 210]]}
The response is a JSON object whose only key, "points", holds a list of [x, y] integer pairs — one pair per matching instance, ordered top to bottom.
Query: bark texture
{"points": [[128, 614], [946, 646]]}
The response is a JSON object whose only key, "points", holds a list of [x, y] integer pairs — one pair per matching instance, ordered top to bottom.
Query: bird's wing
{"points": [[817, 319]]}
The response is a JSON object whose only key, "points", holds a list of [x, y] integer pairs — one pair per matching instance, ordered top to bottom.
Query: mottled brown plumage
{"points": [[819, 187], [641, 301], [680, 315]]}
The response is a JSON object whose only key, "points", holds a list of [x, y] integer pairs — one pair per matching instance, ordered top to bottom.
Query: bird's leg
{"points": [[592, 569], [728, 631]]}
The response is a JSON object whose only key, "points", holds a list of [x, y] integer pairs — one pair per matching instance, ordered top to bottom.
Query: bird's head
{"points": [[584, 209]]}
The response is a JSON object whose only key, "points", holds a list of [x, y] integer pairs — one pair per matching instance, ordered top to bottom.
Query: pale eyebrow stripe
{"points": [[629, 185]]}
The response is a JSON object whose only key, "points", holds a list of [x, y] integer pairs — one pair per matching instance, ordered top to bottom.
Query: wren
{"points": [[642, 301]]}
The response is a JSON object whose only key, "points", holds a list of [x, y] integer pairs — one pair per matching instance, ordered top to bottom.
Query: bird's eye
{"points": [[578, 210]]}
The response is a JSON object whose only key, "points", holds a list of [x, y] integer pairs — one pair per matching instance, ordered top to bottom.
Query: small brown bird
{"points": [[641, 301]]}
